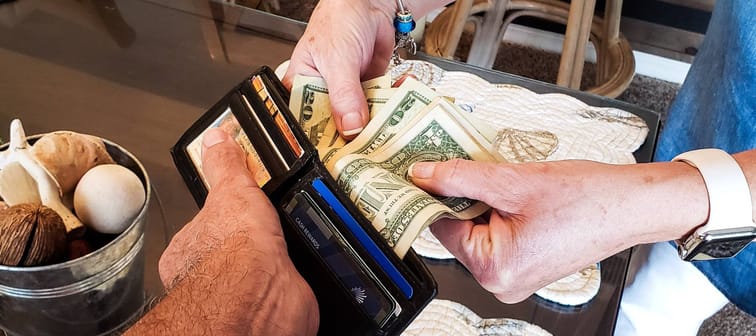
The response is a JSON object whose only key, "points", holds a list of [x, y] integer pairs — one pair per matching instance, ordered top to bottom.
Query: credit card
{"points": [[363, 237], [341, 259]]}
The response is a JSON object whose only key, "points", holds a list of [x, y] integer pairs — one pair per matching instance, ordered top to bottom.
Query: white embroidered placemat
{"points": [[527, 126], [536, 127], [575, 289], [447, 318]]}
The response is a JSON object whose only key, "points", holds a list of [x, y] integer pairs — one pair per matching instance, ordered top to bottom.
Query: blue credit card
{"points": [[375, 252]]}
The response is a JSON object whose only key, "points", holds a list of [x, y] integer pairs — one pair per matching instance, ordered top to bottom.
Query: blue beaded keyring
{"points": [[404, 24]]}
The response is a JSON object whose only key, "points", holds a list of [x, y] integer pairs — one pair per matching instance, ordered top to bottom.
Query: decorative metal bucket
{"points": [[91, 295]]}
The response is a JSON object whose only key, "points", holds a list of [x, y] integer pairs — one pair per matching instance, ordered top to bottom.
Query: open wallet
{"points": [[362, 286]]}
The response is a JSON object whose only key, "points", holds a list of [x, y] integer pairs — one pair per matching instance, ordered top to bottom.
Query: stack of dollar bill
{"points": [[408, 124]]}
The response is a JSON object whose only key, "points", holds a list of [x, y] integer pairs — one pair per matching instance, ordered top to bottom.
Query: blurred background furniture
{"points": [[490, 19]]}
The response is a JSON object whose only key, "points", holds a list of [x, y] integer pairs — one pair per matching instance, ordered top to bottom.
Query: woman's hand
{"points": [[346, 41], [551, 219]]}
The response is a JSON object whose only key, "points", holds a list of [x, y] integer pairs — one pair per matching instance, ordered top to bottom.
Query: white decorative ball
{"points": [[108, 198]]}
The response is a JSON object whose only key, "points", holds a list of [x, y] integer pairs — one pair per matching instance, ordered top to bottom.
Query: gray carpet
{"points": [[644, 91], [648, 92]]}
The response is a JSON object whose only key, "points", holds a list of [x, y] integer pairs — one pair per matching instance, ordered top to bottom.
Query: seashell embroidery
{"points": [[427, 73], [612, 116], [525, 146], [444, 317]]}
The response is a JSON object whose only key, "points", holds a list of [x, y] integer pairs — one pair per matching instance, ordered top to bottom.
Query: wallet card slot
{"points": [[276, 106], [268, 108], [276, 113], [229, 115], [267, 135], [187, 152], [255, 157], [369, 244], [333, 249]]}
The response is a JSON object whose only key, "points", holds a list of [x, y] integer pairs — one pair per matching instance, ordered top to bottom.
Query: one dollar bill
{"points": [[407, 124], [378, 182]]}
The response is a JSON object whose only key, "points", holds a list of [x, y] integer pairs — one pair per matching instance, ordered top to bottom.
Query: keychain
{"points": [[404, 23]]}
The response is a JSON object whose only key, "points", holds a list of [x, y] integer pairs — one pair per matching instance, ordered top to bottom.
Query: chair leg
{"points": [[459, 18], [443, 35], [575, 40], [486, 43], [607, 62]]}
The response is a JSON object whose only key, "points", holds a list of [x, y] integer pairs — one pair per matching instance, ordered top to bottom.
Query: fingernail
{"points": [[351, 123], [213, 137], [421, 170]]}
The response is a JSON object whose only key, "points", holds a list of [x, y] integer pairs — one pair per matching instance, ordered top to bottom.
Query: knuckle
{"points": [[345, 99], [455, 172], [478, 179], [497, 191], [491, 277], [499, 277]]}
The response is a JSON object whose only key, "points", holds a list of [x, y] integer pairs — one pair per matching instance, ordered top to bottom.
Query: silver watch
{"points": [[730, 227], [715, 244]]}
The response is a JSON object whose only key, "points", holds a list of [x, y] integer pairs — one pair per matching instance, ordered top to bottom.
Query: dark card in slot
{"points": [[348, 267]]}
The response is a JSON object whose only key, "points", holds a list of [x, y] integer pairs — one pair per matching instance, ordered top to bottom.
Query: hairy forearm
{"points": [[235, 290]]}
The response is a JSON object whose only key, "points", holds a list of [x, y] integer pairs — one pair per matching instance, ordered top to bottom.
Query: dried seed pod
{"points": [[68, 155], [16, 181], [31, 235], [78, 248]]}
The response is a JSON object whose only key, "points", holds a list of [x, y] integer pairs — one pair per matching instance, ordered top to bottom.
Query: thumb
{"points": [[348, 104], [222, 158], [459, 178]]}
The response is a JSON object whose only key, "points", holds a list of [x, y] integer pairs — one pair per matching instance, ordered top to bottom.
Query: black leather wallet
{"points": [[362, 286]]}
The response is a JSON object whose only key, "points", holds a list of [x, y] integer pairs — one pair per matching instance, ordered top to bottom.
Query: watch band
{"points": [[729, 196]]}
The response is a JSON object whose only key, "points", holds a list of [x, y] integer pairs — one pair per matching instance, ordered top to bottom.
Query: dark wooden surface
{"points": [[140, 72]]}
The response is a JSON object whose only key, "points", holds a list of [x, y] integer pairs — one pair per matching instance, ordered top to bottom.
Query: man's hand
{"points": [[234, 206], [551, 219], [227, 272]]}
